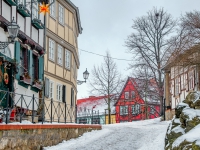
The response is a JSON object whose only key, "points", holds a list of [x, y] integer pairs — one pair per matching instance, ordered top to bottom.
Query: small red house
{"points": [[133, 102]]}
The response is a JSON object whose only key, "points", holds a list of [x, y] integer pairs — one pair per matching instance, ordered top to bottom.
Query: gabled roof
{"points": [[139, 84]]}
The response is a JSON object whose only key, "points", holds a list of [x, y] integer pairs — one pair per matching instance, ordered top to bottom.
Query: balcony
{"points": [[11, 2], [23, 10], [37, 23]]}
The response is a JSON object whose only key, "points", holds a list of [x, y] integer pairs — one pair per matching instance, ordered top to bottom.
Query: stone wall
{"points": [[35, 137]]}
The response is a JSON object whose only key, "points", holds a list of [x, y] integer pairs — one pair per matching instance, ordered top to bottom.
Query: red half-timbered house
{"points": [[131, 104]]}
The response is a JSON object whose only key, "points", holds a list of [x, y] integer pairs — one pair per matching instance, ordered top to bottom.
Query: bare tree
{"points": [[149, 43], [106, 80]]}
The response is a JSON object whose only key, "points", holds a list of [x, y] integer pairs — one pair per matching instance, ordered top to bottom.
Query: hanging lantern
{"points": [[6, 78]]}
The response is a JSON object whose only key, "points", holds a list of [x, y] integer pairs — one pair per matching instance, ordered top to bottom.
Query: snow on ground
{"points": [[138, 135]]}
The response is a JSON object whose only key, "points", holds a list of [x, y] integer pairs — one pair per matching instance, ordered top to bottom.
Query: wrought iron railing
{"points": [[15, 107]]}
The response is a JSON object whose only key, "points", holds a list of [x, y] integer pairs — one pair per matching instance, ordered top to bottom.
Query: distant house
{"points": [[181, 77], [132, 100], [94, 110]]}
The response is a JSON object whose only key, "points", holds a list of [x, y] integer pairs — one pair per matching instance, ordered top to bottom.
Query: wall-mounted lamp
{"points": [[85, 76]]}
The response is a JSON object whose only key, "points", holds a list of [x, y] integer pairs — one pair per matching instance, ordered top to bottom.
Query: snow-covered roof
{"points": [[96, 103]]}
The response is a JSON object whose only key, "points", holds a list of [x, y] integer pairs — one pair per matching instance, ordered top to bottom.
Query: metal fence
{"points": [[15, 107]]}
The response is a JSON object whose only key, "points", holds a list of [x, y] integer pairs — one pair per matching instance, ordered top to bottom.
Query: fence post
{"points": [[7, 106], [21, 109], [33, 109], [51, 109], [43, 110], [65, 112], [76, 114], [92, 117], [98, 117]]}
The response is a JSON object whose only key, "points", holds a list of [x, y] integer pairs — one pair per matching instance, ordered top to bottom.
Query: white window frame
{"points": [[52, 9], [35, 13], [61, 14], [51, 49], [60, 55], [67, 59], [176, 86], [51, 89], [59, 92], [132, 93], [126, 95], [137, 108], [123, 110], [152, 110]]}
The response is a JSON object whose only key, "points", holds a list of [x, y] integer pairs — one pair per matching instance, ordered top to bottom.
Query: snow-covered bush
{"points": [[184, 130]]}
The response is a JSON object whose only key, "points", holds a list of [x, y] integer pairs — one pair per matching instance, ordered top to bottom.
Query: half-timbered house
{"points": [[22, 60], [181, 77], [134, 104]]}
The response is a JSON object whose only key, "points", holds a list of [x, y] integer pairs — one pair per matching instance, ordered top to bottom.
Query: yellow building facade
{"points": [[61, 61], [113, 119]]}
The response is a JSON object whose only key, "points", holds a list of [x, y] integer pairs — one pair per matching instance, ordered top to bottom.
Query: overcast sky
{"points": [[106, 25]]}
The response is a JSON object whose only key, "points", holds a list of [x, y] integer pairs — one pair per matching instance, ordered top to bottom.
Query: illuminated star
{"points": [[44, 8]]}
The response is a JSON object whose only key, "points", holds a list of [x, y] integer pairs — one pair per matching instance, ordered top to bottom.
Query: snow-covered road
{"points": [[140, 135]]}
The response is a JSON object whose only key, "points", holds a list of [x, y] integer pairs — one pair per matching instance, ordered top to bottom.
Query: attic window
{"points": [[133, 94], [126, 95]]}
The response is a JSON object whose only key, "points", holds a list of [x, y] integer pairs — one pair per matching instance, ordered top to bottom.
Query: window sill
{"points": [[53, 17], [62, 24], [53, 61], [59, 64]]}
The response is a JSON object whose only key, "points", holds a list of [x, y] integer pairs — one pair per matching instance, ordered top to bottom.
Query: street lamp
{"points": [[13, 30], [85, 76]]}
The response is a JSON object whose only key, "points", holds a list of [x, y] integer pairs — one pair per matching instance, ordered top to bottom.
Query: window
{"points": [[52, 9], [35, 14], [61, 14], [51, 49], [60, 55], [67, 59], [23, 61], [35, 68], [191, 79], [176, 86], [50, 89], [59, 92], [133, 94], [126, 95], [136, 109], [123, 110], [152, 110], [95, 120], [82, 121]]}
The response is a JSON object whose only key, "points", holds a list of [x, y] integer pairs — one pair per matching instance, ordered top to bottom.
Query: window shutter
{"points": [[17, 57], [41, 67], [186, 82], [46, 87], [179, 89], [64, 94]]}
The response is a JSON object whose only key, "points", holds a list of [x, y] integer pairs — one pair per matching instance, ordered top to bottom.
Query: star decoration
{"points": [[44, 8]]}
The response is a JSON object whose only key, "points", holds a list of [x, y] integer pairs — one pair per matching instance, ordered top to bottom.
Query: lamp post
{"points": [[13, 30], [85, 76]]}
